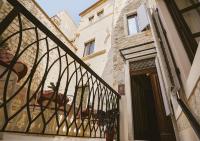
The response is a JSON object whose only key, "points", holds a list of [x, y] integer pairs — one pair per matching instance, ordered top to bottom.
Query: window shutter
{"points": [[143, 20]]}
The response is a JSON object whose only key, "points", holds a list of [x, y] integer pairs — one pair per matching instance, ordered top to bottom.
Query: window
{"points": [[100, 13], [91, 19], [132, 24], [89, 48]]}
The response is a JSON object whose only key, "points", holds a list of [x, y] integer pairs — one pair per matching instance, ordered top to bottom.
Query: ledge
{"points": [[92, 7], [93, 55]]}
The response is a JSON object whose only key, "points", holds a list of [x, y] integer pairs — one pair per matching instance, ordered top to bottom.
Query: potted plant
{"points": [[50, 95], [110, 134]]}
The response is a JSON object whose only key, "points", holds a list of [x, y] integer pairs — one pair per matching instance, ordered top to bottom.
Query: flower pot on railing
{"points": [[9, 76], [50, 95], [50, 101], [86, 113], [110, 134]]}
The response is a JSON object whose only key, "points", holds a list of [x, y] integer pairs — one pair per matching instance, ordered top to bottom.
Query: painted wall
{"points": [[100, 30]]}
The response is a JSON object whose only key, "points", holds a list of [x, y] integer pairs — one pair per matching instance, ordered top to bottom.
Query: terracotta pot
{"points": [[19, 68], [49, 95], [110, 135]]}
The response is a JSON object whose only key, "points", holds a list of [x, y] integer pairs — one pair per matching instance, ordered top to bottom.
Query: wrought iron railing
{"points": [[45, 88]]}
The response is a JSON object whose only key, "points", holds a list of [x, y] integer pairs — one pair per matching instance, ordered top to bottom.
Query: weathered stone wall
{"points": [[38, 13], [29, 37], [120, 40], [29, 58]]}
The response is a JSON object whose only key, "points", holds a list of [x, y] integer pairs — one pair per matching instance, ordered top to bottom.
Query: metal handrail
{"points": [[39, 58], [191, 118]]}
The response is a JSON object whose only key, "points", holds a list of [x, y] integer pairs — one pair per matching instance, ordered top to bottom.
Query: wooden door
{"points": [[144, 114], [149, 118], [164, 122]]}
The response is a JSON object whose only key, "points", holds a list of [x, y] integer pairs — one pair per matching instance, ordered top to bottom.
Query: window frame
{"points": [[100, 13], [134, 13], [134, 16], [91, 18], [85, 46]]}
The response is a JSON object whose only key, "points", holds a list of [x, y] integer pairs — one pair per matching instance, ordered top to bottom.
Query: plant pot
{"points": [[19, 68], [110, 135]]}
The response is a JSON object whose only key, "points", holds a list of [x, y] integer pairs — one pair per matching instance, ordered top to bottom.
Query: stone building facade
{"points": [[106, 24], [34, 52], [189, 76]]}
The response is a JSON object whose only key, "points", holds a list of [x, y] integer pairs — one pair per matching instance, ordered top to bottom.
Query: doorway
{"points": [[149, 119]]}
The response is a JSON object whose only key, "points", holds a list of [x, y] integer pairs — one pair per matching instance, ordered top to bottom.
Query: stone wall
{"points": [[41, 15], [29, 36], [120, 40], [29, 58]]}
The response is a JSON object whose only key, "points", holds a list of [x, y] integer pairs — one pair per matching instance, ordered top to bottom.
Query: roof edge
{"points": [[89, 9]]}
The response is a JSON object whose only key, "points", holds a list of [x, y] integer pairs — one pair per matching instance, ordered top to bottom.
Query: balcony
{"points": [[45, 88]]}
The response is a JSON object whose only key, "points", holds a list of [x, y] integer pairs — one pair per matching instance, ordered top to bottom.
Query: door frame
{"points": [[130, 135]]}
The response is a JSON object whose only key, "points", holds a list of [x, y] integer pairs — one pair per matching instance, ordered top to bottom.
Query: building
{"points": [[66, 24], [94, 40], [146, 50], [135, 52], [174, 63]]}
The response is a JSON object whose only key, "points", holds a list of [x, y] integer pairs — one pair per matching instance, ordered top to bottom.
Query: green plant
{"points": [[52, 86]]}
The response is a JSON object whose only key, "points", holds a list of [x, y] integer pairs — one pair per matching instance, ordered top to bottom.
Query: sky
{"points": [[73, 7]]}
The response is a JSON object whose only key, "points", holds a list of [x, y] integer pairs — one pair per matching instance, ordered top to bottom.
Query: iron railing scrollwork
{"points": [[45, 88]]}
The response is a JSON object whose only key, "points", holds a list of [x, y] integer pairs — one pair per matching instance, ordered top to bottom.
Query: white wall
{"points": [[100, 30]]}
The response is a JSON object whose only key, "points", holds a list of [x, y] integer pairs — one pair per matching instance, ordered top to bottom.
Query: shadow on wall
{"points": [[107, 74]]}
